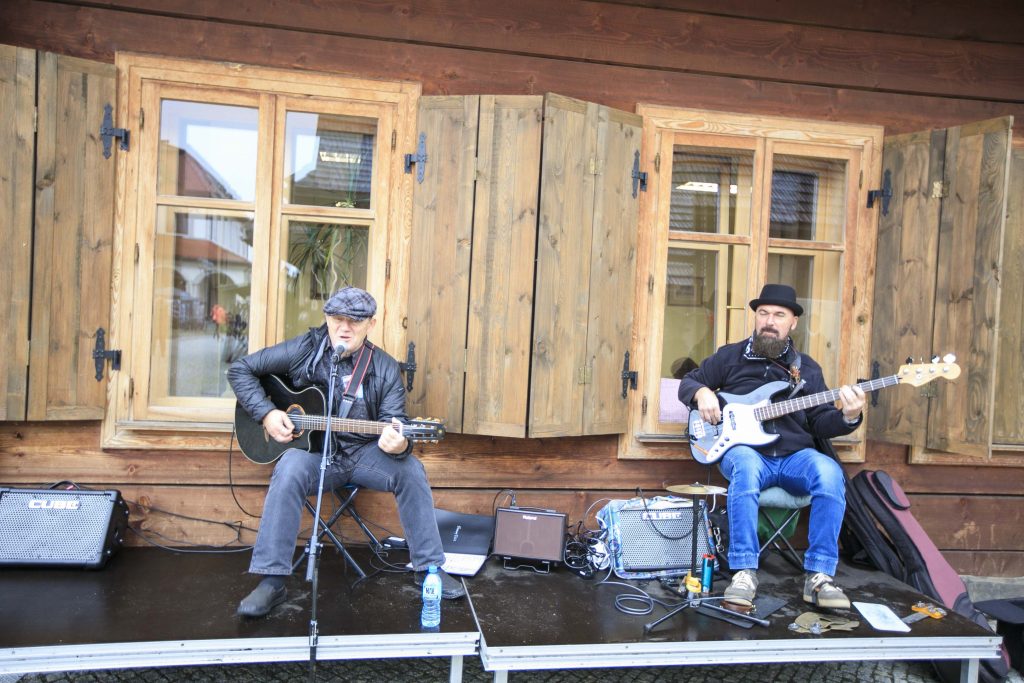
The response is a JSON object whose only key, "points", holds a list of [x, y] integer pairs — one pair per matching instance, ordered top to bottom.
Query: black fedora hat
{"points": [[778, 295]]}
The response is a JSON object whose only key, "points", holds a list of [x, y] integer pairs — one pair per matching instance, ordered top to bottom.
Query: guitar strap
{"points": [[362, 364]]}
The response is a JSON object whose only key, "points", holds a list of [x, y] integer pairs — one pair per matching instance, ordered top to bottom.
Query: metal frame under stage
{"points": [[968, 650], [237, 651]]}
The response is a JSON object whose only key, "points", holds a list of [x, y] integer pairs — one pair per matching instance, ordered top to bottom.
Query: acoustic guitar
{"points": [[306, 408], [743, 414]]}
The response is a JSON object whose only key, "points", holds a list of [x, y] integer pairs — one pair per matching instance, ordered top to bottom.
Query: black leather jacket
{"points": [[383, 390]]}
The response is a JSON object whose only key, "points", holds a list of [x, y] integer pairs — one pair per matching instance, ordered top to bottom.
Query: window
{"points": [[249, 195], [736, 202]]}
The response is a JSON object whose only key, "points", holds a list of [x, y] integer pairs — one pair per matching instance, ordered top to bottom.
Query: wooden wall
{"points": [[900, 64]]}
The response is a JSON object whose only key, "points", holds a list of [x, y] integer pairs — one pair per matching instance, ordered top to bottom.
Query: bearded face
{"points": [[772, 325], [768, 345]]}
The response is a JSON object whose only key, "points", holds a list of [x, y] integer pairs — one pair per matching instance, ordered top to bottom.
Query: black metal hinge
{"points": [[108, 132], [419, 158], [639, 177], [885, 194], [100, 354], [409, 366], [628, 376]]}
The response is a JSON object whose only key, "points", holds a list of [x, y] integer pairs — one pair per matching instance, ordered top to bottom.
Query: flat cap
{"points": [[351, 302]]}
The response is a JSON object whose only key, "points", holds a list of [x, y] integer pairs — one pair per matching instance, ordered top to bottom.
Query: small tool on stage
{"points": [[698, 580], [923, 610]]}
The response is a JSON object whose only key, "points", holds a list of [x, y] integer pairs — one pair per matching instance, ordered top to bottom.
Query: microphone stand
{"points": [[312, 566]]}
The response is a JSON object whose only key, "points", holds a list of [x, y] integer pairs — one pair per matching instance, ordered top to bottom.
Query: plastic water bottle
{"points": [[430, 617]]}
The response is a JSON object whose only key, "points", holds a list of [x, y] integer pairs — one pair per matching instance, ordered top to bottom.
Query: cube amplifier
{"points": [[528, 534]]}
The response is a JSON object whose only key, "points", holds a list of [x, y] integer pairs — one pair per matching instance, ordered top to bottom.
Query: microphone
{"points": [[339, 350]]}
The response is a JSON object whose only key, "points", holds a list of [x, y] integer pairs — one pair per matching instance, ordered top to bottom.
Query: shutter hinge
{"points": [[108, 132], [394, 140], [419, 158], [639, 177], [940, 189], [885, 194], [387, 269], [101, 354], [409, 366], [628, 376], [643, 406]]}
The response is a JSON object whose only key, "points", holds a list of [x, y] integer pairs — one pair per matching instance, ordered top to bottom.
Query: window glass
{"points": [[207, 150], [329, 160], [711, 190], [808, 198], [322, 258], [201, 296]]}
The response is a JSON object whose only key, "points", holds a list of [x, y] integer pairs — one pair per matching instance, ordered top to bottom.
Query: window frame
{"points": [[663, 128], [130, 420]]}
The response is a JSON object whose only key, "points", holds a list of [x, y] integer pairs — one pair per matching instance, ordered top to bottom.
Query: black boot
{"points": [[451, 588], [264, 597]]}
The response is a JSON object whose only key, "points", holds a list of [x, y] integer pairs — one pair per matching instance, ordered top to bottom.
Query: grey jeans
{"points": [[297, 475]]}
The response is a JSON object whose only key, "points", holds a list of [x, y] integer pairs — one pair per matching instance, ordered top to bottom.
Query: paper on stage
{"points": [[461, 564], [881, 617]]}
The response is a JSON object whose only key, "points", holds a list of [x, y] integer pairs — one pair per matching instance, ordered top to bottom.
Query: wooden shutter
{"points": [[17, 106], [74, 206], [442, 228], [504, 242], [586, 253], [940, 255], [612, 271], [1008, 412]]}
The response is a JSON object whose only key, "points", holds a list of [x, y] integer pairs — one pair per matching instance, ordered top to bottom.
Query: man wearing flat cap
{"points": [[792, 461], [382, 464]]}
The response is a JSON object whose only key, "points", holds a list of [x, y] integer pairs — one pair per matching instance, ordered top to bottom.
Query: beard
{"points": [[768, 346]]}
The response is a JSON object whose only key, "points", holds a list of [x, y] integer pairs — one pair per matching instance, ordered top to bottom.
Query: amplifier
{"points": [[66, 528], [528, 534], [656, 536]]}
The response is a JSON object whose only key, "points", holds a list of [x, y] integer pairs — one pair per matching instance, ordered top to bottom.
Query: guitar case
{"points": [[920, 563]]}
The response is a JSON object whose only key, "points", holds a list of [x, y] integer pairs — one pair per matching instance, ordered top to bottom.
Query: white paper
{"points": [[460, 564], [881, 617]]}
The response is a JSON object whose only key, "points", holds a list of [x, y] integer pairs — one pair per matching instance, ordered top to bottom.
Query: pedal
{"points": [[394, 542]]}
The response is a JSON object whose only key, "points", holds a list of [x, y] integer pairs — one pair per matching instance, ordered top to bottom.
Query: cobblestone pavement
{"points": [[437, 669]]}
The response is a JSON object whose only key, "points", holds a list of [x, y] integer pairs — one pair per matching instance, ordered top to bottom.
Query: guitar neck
{"points": [[774, 410], [338, 424]]}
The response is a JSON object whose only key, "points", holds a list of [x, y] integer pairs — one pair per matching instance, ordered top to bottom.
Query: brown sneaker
{"points": [[742, 589], [821, 590]]}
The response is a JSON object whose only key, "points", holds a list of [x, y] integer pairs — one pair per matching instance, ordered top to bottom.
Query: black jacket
{"points": [[730, 371], [383, 390]]}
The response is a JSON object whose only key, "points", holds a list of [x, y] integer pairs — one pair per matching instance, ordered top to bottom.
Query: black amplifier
{"points": [[74, 528]]}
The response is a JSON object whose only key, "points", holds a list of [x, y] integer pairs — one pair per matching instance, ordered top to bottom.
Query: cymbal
{"points": [[695, 489]]}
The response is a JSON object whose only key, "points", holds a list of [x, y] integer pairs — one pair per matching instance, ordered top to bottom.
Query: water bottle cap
{"points": [[432, 569]]}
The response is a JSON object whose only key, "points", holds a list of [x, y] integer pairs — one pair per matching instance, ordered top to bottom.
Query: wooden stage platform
{"points": [[150, 607]]}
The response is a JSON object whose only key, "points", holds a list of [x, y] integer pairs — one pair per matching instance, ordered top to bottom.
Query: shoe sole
{"points": [[742, 602], [827, 604], [257, 614]]}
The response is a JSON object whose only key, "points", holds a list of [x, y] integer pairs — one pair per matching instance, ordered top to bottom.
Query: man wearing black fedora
{"points": [[792, 461]]}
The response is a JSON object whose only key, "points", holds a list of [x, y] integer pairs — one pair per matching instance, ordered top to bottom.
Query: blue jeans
{"points": [[805, 472], [297, 476]]}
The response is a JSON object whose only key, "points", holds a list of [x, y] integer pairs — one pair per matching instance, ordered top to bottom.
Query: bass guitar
{"points": [[305, 409], [743, 414]]}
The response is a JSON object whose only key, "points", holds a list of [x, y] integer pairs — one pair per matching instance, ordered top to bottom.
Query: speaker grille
{"points": [[56, 527], [659, 538]]}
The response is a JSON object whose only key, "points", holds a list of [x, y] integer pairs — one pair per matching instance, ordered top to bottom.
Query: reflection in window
{"points": [[207, 150], [329, 160], [711, 190], [808, 198], [322, 258], [200, 301]]}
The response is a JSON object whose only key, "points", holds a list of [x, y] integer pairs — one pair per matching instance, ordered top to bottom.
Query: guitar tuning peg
{"points": [[949, 358], [910, 359], [935, 359]]}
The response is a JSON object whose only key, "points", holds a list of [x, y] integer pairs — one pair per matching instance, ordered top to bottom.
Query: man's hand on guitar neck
{"points": [[851, 401], [708, 406], [279, 426], [391, 439]]}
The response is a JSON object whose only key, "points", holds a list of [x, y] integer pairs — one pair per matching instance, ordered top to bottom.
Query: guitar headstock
{"points": [[919, 374], [424, 430]]}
